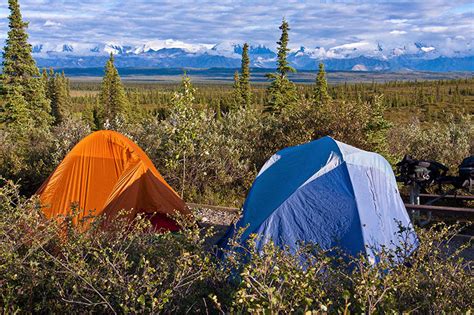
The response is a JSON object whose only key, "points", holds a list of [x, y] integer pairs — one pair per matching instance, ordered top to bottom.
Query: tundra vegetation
{"points": [[208, 142]]}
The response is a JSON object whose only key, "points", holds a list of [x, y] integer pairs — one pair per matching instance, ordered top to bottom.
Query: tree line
{"points": [[34, 100], [209, 141]]}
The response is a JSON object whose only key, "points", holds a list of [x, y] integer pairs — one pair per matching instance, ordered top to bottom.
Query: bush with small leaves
{"points": [[448, 143], [48, 266]]}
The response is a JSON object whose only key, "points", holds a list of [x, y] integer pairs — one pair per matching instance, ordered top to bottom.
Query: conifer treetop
{"points": [[283, 50], [18, 62], [245, 77], [237, 92], [281, 92], [321, 94], [113, 97], [26, 105]]}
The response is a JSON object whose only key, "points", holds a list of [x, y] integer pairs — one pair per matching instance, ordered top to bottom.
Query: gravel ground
{"points": [[214, 217], [219, 220]]}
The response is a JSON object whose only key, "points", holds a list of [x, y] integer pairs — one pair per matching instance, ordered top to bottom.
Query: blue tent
{"points": [[329, 193]]}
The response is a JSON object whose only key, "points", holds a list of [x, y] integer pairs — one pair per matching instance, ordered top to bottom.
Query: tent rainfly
{"points": [[106, 173], [328, 193]]}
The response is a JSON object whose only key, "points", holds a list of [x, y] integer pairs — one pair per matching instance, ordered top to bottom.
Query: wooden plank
{"points": [[459, 197], [211, 207], [441, 209]]}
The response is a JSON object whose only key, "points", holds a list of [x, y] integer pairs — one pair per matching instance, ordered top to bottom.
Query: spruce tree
{"points": [[18, 63], [283, 65], [245, 77], [44, 79], [48, 79], [67, 83], [22, 86], [57, 92], [281, 92], [320, 93], [237, 99], [113, 100], [59, 107], [14, 112], [377, 127]]}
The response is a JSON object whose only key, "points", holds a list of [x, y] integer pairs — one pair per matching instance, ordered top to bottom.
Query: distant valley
{"points": [[225, 75]]}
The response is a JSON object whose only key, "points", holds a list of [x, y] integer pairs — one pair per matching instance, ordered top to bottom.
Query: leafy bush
{"points": [[448, 143], [26, 156], [47, 266], [432, 280]]}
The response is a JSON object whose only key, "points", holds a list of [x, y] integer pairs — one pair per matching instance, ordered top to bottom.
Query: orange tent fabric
{"points": [[105, 173]]}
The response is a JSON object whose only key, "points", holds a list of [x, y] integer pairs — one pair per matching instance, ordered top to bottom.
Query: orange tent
{"points": [[106, 173]]}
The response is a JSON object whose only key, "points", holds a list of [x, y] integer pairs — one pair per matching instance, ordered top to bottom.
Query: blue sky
{"points": [[313, 23]]}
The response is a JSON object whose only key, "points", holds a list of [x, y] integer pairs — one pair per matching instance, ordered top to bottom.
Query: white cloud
{"points": [[397, 21], [50, 23], [431, 29], [397, 32], [427, 49]]}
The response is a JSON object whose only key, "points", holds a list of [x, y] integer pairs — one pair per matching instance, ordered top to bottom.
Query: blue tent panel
{"points": [[284, 173], [328, 193], [323, 212]]}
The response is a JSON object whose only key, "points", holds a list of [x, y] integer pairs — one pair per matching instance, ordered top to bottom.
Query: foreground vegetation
{"points": [[209, 144], [131, 269]]}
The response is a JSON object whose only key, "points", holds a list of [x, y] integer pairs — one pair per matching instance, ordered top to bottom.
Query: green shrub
{"points": [[448, 143], [30, 157], [47, 267], [50, 267], [434, 279]]}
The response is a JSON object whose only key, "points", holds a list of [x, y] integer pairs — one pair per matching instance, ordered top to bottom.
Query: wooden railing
{"points": [[441, 209]]}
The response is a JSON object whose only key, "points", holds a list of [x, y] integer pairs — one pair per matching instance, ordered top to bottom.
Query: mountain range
{"points": [[359, 56]]}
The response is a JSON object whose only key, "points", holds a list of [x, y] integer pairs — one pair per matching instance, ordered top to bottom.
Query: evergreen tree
{"points": [[18, 63], [283, 65], [245, 77], [44, 79], [48, 79], [67, 83], [57, 92], [281, 92], [320, 94], [237, 98], [25, 100], [113, 100], [59, 107], [15, 111], [377, 127]]}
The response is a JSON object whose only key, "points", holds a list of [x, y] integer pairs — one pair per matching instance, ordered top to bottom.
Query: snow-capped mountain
{"points": [[157, 45], [169, 53]]}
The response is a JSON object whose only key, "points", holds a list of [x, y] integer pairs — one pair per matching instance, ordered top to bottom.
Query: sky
{"points": [[317, 23]]}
